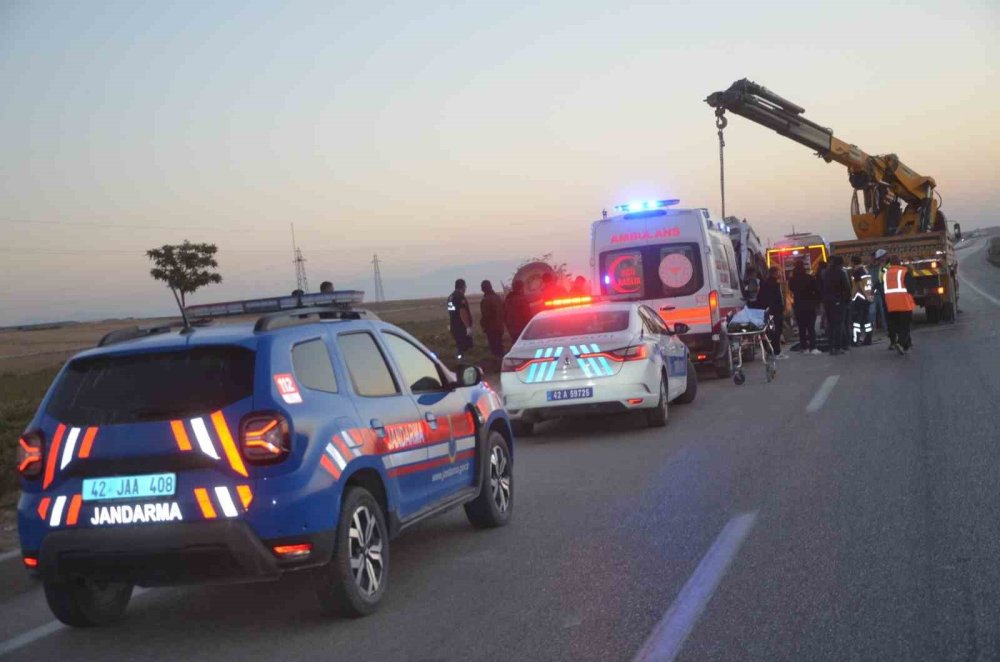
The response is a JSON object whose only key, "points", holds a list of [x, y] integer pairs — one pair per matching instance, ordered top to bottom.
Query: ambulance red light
{"points": [[571, 301], [713, 310], [702, 357], [635, 401], [265, 438], [29, 455], [299, 551], [30, 562]]}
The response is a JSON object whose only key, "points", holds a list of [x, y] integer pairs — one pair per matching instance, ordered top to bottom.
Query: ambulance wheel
{"points": [[948, 312], [933, 314], [725, 369], [739, 378], [691, 391], [658, 415], [522, 428], [492, 508], [353, 583], [81, 603]]}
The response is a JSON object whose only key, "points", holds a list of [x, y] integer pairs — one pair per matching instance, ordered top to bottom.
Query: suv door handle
{"points": [[431, 419], [378, 426]]}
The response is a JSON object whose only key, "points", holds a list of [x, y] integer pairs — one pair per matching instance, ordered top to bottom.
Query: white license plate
{"points": [[569, 394], [129, 487]]}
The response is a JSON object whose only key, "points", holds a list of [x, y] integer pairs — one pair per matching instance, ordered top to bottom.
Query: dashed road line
{"points": [[822, 394], [670, 633]]}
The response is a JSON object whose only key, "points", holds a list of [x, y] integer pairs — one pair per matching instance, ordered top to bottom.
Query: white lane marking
{"points": [[988, 297], [822, 394], [204, 441], [69, 448], [226, 501], [56, 517], [12, 554], [42, 631], [669, 634]]}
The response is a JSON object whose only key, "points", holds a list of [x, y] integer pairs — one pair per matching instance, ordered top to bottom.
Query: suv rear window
{"points": [[582, 323], [107, 390]]}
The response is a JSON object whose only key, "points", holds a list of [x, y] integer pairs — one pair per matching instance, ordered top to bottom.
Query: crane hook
{"points": [[720, 118]]}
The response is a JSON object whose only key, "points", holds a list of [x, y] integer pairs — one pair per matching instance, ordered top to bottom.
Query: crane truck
{"points": [[892, 206]]}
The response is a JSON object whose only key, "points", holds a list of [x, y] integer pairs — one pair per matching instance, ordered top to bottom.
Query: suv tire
{"points": [[691, 391], [658, 415], [493, 506], [353, 583], [81, 603]]}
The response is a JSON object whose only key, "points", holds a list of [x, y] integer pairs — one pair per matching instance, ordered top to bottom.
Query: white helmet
{"points": [[880, 253]]}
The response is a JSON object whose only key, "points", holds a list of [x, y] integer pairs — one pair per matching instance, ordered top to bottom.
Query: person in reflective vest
{"points": [[862, 296], [899, 304]]}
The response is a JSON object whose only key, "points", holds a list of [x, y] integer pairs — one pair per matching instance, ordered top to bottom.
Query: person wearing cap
{"points": [[878, 278], [899, 302], [491, 318]]}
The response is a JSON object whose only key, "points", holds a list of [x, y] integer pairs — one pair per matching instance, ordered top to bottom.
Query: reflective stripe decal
{"points": [[180, 435], [346, 435], [204, 441], [88, 442], [228, 445], [333, 453], [67, 454], [50, 466], [330, 467], [246, 495], [226, 501], [43, 507], [207, 509], [74, 510], [57, 511]]}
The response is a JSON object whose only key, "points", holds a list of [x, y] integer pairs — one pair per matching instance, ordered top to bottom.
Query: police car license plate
{"points": [[569, 394], [129, 487]]}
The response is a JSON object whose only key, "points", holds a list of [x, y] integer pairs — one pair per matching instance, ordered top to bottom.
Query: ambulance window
{"points": [[722, 267], [679, 270], [621, 273], [311, 362], [369, 371]]}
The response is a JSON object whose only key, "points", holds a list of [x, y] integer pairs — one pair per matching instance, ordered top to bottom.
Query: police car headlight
{"points": [[265, 438]]}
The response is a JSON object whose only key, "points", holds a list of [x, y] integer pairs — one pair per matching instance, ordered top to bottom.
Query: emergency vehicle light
{"points": [[643, 205], [940, 290], [571, 301]]}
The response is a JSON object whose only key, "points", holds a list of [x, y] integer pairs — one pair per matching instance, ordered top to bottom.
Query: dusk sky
{"points": [[454, 139]]}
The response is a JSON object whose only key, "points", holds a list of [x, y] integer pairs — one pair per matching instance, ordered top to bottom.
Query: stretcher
{"points": [[747, 330]]}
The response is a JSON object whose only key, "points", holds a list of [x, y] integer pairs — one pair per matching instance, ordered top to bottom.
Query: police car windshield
{"points": [[582, 323], [106, 390]]}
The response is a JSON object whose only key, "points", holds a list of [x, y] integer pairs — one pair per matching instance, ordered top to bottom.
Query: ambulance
{"points": [[677, 261]]}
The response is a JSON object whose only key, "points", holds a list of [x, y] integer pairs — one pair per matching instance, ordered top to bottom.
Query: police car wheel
{"points": [[691, 391], [658, 415], [493, 506], [353, 582], [81, 602]]}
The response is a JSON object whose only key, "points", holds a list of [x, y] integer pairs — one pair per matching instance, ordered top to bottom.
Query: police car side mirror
{"points": [[680, 328], [469, 375]]}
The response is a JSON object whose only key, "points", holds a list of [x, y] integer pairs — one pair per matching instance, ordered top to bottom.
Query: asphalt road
{"points": [[848, 510]]}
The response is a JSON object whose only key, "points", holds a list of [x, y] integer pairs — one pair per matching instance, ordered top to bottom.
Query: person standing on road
{"points": [[878, 285], [836, 293], [862, 296], [770, 298], [806, 299], [899, 304], [516, 311], [460, 319], [491, 319]]}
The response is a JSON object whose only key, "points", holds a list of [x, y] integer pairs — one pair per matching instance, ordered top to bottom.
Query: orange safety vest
{"points": [[897, 299]]}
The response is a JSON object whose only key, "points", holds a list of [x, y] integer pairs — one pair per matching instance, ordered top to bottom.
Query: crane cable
{"points": [[720, 123]]}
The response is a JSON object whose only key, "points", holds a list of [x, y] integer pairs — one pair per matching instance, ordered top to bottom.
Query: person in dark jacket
{"points": [[751, 286], [836, 293], [771, 299], [806, 299], [516, 311], [491, 318], [460, 319]]}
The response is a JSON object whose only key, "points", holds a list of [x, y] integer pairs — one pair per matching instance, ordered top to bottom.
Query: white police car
{"points": [[580, 356]]}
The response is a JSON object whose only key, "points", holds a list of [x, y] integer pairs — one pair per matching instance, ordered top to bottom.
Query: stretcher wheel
{"points": [[770, 372], [739, 378]]}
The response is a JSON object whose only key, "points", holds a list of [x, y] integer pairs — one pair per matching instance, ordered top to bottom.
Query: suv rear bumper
{"points": [[175, 553]]}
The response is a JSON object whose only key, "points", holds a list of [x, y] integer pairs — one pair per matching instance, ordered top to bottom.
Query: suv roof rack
{"points": [[309, 315], [134, 332]]}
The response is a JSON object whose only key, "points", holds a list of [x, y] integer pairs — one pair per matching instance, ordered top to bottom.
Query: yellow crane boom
{"points": [[896, 200]]}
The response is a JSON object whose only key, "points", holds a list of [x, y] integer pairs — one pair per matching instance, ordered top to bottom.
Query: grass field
{"points": [[30, 359]]}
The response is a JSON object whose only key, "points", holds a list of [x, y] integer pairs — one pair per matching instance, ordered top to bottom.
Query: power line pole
{"points": [[301, 281], [379, 291]]}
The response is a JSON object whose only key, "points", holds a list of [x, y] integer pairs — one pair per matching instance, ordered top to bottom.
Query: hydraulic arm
{"points": [[896, 200]]}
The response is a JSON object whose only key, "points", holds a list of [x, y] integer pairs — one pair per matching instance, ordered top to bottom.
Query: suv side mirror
{"points": [[681, 328], [469, 375]]}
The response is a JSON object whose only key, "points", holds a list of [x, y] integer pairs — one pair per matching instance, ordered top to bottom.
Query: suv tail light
{"points": [[265, 438], [29, 455]]}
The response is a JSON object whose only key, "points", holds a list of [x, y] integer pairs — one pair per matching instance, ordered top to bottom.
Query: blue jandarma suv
{"points": [[239, 453]]}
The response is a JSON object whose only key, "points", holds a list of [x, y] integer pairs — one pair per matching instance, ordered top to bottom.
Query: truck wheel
{"points": [[948, 312], [933, 314], [724, 370], [691, 391], [658, 415], [495, 502], [353, 583], [81, 603]]}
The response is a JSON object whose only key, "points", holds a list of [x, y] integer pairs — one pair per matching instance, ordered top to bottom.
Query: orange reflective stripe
{"points": [[696, 315], [180, 435], [88, 442], [228, 445], [50, 466], [330, 467], [246, 495], [43, 507], [207, 509], [74, 510]]}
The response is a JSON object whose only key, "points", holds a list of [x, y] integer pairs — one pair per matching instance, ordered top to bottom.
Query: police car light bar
{"points": [[645, 205], [344, 298], [572, 301]]}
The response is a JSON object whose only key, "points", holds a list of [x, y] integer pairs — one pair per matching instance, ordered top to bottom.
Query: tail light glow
{"points": [[940, 290], [713, 309], [631, 353], [702, 357], [516, 364], [635, 401], [265, 438], [29, 455], [299, 551], [30, 562]]}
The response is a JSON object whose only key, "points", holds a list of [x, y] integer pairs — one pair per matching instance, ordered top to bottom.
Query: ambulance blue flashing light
{"points": [[645, 205]]}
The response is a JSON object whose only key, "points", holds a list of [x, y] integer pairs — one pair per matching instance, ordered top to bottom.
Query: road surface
{"points": [[849, 510]]}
